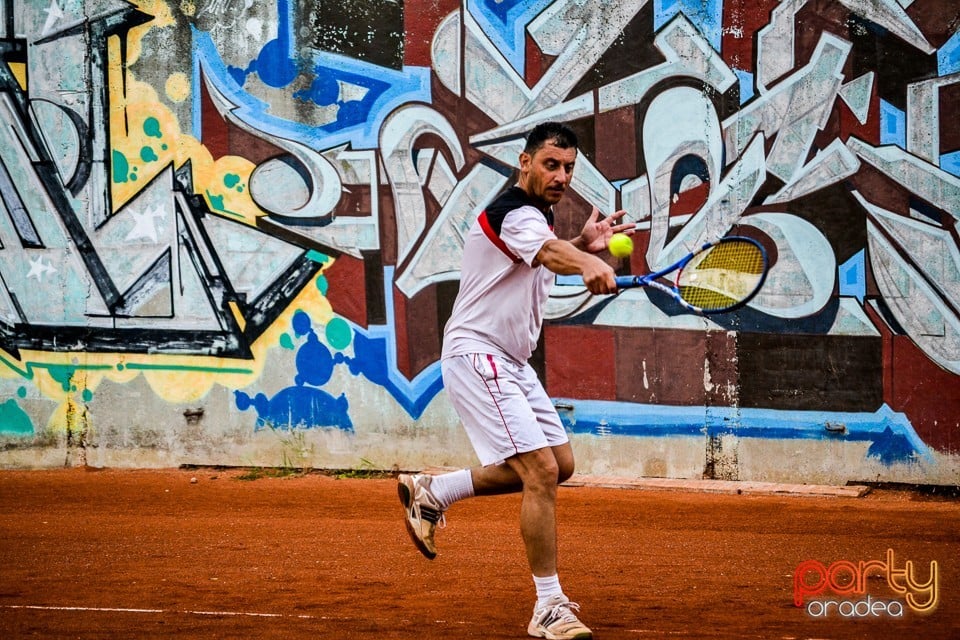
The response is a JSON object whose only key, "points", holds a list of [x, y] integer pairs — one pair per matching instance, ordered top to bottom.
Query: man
{"points": [[510, 259]]}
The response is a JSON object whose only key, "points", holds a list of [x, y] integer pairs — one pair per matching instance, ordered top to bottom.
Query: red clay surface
{"points": [[148, 554]]}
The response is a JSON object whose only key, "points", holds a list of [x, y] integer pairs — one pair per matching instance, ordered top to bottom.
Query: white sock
{"points": [[450, 487], [547, 587]]}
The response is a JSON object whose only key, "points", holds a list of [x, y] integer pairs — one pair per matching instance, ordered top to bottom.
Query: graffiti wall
{"points": [[230, 232]]}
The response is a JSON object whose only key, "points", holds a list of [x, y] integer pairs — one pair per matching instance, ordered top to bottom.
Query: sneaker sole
{"points": [[406, 499], [549, 636]]}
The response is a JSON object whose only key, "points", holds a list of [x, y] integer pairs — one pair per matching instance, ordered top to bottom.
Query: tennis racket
{"points": [[720, 276]]}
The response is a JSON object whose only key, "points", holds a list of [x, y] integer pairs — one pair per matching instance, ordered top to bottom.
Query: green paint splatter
{"points": [[151, 127], [147, 154], [120, 167], [231, 180], [216, 201], [316, 256], [322, 284], [338, 333], [286, 341], [62, 373], [22, 392], [87, 395], [14, 420]]}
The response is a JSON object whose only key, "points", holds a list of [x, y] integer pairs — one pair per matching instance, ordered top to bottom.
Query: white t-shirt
{"points": [[499, 309]]}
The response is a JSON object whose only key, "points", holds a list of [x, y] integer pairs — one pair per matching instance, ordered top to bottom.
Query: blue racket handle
{"points": [[624, 282]]}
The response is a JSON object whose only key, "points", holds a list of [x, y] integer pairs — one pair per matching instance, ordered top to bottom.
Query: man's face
{"points": [[546, 174]]}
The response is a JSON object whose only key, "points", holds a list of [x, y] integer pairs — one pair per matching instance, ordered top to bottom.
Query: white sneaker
{"points": [[422, 509], [557, 621]]}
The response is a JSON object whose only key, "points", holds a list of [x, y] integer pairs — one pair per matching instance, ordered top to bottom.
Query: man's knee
{"points": [[563, 454], [538, 470], [547, 473]]}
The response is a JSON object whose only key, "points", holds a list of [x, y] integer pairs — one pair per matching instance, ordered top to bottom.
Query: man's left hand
{"points": [[596, 233]]}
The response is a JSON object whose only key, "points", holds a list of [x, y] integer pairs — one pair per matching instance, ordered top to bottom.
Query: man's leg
{"points": [[504, 409], [538, 473], [498, 479], [425, 498], [554, 616]]}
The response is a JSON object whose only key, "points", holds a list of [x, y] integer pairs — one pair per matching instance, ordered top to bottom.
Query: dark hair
{"points": [[560, 134]]}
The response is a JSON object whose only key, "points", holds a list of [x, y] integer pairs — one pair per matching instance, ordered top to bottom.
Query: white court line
{"points": [[188, 612], [249, 614]]}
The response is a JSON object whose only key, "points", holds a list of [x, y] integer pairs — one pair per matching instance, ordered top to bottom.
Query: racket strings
{"points": [[722, 276]]}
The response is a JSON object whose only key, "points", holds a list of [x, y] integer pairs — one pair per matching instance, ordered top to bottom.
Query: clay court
{"points": [[150, 554]]}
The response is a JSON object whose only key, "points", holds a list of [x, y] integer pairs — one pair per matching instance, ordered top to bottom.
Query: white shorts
{"points": [[502, 405]]}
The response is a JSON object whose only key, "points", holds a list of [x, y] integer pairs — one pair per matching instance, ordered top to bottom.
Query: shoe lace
{"points": [[565, 611]]}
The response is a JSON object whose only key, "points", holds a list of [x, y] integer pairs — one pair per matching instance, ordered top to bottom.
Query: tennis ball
{"points": [[620, 245]]}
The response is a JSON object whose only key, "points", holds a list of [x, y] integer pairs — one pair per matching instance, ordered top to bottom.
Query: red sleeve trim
{"points": [[495, 239]]}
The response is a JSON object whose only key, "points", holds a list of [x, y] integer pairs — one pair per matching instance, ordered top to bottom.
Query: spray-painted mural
{"points": [[251, 214]]}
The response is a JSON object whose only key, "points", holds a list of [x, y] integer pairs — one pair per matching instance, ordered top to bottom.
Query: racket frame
{"points": [[652, 279]]}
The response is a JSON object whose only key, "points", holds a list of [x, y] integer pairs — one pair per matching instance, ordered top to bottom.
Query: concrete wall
{"points": [[231, 231]]}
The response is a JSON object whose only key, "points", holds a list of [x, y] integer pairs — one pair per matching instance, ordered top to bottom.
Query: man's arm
{"points": [[564, 258]]}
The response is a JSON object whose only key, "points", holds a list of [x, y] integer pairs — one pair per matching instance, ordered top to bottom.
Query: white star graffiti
{"points": [[54, 13], [145, 225], [38, 269]]}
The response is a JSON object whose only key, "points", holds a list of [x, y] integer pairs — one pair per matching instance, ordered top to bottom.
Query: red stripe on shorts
{"points": [[493, 367]]}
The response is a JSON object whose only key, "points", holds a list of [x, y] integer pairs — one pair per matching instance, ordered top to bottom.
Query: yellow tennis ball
{"points": [[620, 245]]}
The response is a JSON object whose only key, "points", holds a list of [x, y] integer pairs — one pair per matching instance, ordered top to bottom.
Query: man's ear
{"points": [[525, 160]]}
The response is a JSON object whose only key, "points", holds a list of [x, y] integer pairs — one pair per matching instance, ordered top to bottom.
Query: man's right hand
{"points": [[561, 256], [598, 276]]}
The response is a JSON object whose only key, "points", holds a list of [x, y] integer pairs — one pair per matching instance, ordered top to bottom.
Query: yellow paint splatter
{"points": [[177, 87], [130, 109]]}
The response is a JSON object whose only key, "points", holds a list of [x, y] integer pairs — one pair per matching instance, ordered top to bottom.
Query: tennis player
{"points": [[510, 258]]}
